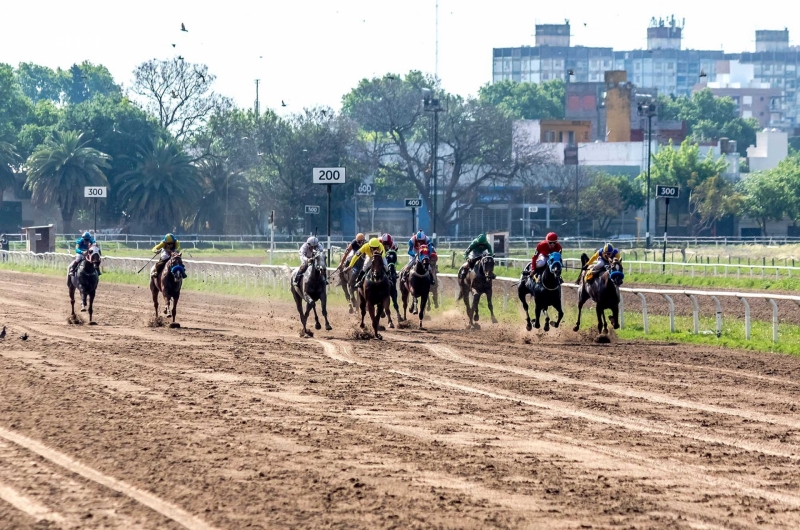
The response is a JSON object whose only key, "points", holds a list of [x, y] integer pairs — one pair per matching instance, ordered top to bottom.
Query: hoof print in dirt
{"points": [[75, 320], [156, 322], [404, 324], [174, 325], [306, 333], [358, 334], [603, 339], [526, 340]]}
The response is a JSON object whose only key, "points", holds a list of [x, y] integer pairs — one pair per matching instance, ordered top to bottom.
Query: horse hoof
{"points": [[83, 310], [352, 311], [476, 318], [494, 320], [92, 323], [554, 324], [174, 325], [391, 325], [536, 325], [317, 326], [362, 326], [528, 326], [616, 326], [328, 327], [547, 327], [381, 328], [576, 328], [378, 336]]}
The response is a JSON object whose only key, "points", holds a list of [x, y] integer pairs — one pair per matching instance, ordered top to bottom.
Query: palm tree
{"points": [[9, 160], [59, 169], [163, 186], [225, 203]]}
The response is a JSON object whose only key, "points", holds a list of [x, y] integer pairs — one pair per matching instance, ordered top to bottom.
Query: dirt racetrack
{"points": [[234, 421]]}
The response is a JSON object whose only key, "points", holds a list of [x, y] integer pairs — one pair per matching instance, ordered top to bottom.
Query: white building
{"points": [[771, 147]]}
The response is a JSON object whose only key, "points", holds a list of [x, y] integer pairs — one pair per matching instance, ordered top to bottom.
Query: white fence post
{"points": [[671, 312], [695, 313], [719, 316], [746, 317], [774, 320]]}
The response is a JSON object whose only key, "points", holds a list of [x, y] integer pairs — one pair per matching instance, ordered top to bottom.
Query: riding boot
{"points": [[360, 279], [433, 280]]}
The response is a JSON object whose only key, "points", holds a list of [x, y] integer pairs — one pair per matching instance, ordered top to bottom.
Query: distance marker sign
{"points": [[668, 192]]}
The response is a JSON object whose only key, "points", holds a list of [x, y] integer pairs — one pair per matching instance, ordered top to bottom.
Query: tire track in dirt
{"points": [[447, 353], [153, 502], [22, 503]]}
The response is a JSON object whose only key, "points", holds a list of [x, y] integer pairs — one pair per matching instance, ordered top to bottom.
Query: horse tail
{"points": [[584, 259]]}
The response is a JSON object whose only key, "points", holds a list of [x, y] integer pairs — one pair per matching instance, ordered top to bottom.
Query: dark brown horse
{"points": [[85, 279], [347, 280], [477, 281], [168, 283], [417, 283], [435, 287], [312, 288], [603, 289], [374, 294]]}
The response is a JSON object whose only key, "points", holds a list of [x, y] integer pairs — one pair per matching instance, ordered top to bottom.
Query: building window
{"points": [[637, 66], [747, 100], [573, 103], [588, 103], [585, 136], [571, 138]]}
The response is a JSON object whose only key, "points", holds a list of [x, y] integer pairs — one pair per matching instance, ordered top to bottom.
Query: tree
{"points": [[40, 83], [178, 94], [528, 101], [15, 108], [710, 117], [475, 147], [9, 162], [686, 168], [59, 169], [162, 188], [607, 197], [765, 198], [225, 199]]}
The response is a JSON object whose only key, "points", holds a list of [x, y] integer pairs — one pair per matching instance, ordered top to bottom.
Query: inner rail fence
{"points": [[278, 277]]}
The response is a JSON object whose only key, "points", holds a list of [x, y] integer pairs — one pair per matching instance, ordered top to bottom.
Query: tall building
{"points": [[664, 65]]}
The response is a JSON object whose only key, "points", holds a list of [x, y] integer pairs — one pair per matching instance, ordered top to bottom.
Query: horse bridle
{"points": [[550, 263]]}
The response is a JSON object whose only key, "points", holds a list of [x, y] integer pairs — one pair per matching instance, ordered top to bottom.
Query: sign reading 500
{"points": [[329, 175]]}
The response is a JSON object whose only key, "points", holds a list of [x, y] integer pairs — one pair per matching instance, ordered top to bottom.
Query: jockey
{"points": [[417, 240], [388, 242], [311, 245], [82, 246], [167, 246], [479, 246], [352, 247], [366, 251], [426, 252], [603, 258], [539, 259]]}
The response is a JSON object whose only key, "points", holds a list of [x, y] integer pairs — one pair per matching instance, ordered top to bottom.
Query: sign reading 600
{"points": [[329, 175]]}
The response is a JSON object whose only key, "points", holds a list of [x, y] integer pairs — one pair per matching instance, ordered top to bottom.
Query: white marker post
{"points": [[328, 176], [95, 192]]}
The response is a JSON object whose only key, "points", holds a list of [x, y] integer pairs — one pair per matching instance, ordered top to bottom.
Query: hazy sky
{"points": [[310, 52]]}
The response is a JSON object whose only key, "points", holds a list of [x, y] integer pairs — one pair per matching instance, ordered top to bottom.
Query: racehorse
{"points": [[391, 259], [85, 279], [347, 280], [477, 281], [417, 283], [169, 285], [435, 286], [313, 288], [603, 289], [546, 293], [374, 294]]}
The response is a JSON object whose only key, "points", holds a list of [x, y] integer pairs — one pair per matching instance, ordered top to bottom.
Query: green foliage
{"points": [[40, 83], [529, 101], [15, 108], [709, 117], [9, 163], [59, 169], [162, 188], [772, 195], [606, 197], [224, 206]]}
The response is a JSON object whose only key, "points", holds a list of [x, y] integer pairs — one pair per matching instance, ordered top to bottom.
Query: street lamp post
{"points": [[431, 104], [648, 110]]}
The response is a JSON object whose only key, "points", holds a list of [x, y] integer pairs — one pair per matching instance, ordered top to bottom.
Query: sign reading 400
{"points": [[329, 175]]}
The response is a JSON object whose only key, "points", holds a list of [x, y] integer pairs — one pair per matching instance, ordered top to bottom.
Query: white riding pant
{"points": [[164, 254], [541, 261], [368, 263]]}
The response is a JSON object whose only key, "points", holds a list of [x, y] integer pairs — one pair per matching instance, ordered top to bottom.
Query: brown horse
{"points": [[85, 279], [478, 281], [417, 283], [169, 284], [435, 287], [603, 289], [374, 294]]}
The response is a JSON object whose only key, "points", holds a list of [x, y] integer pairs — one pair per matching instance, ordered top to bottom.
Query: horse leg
{"points": [[154, 292], [464, 294], [522, 294], [71, 295], [436, 296], [582, 298], [404, 299], [362, 300], [475, 300], [324, 301], [423, 302], [394, 303], [489, 303], [91, 304], [414, 305], [557, 306], [174, 307], [388, 311], [537, 312], [374, 316], [615, 316], [546, 319], [601, 319], [317, 325]]}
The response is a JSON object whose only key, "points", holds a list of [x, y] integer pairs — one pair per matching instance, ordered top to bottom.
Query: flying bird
{"points": [[584, 24], [183, 28], [173, 45], [180, 57], [570, 72], [703, 73], [174, 94], [283, 104], [3, 333], [24, 336]]}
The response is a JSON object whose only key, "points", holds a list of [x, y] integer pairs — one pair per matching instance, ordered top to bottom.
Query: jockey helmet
{"points": [[87, 236], [420, 236], [552, 236], [360, 237], [169, 238], [482, 239], [387, 240], [312, 241], [607, 248], [423, 250]]}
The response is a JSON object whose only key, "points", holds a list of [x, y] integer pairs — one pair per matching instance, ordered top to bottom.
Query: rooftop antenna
{"points": [[436, 66]]}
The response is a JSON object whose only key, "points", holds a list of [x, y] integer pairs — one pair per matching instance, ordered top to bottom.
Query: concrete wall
{"points": [[618, 107], [771, 147]]}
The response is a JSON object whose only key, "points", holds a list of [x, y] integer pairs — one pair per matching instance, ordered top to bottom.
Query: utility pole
{"points": [[432, 104], [257, 109], [648, 110]]}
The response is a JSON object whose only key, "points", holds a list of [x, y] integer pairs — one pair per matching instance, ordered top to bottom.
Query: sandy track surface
{"points": [[234, 421]]}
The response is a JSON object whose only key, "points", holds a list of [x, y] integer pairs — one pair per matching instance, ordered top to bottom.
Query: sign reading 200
{"points": [[329, 175]]}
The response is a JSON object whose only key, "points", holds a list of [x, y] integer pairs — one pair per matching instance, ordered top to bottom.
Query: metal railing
{"points": [[275, 276]]}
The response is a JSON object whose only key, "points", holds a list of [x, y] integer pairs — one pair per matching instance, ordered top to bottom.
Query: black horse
{"points": [[391, 259], [85, 279], [477, 280], [417, 283], [169, 284], [311, 289], [603, 289], [546, 293], [374, 294]]}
